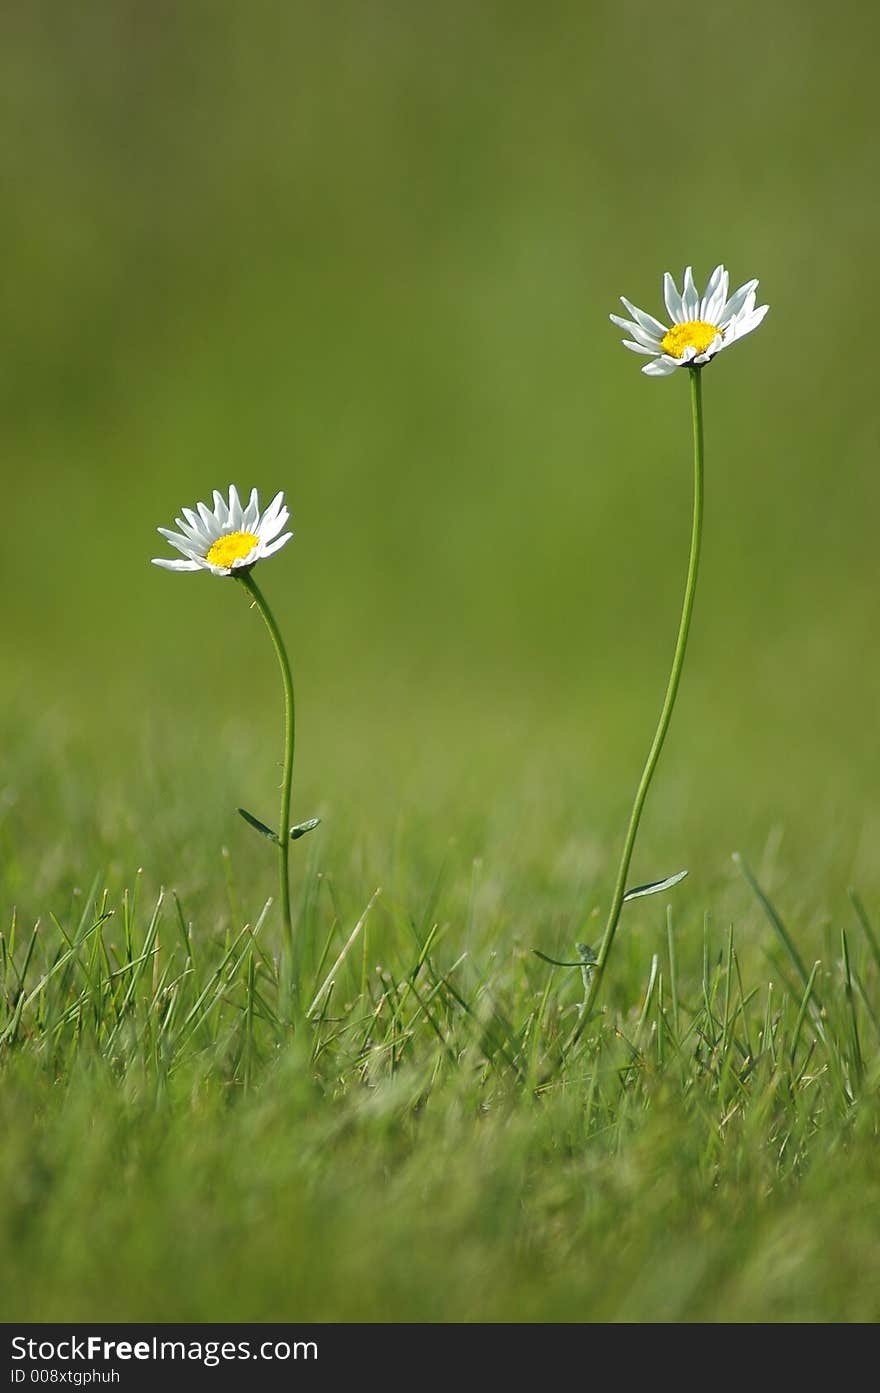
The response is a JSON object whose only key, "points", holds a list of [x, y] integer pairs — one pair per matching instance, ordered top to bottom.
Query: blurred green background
{"points": [[365, 252]]}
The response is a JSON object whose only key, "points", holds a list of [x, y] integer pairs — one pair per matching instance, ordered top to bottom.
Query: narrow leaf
{"points": [[258, 825], [302, 828], [654, 887], [865, 922], [776, 923], [587, 957], [556, 962], [327, 985]]}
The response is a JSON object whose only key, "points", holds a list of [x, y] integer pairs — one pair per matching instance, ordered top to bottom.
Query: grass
{"points": [[402, 1140]]}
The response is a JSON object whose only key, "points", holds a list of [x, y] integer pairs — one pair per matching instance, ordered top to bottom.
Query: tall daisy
{"points": [[700, 327], [229, 540]]}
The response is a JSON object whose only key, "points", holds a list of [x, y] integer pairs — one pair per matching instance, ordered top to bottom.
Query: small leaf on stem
{"points": [[258, 825], [302, 828], [654, 887], [587, 957]]}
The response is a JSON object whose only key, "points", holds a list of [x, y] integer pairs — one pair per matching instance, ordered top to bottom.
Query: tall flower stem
{"points": [[256, 594], [665, 717]]}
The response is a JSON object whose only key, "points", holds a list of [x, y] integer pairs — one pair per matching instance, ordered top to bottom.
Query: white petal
{"points": [[711, 287], [690, 298], [720, 298], [673, 300], [736, 302], [747, 307], [712, 312], [647, 321], [745, 323], [628, 324], [640, 335], [645, 339], [637, 348], [661, 367], [275, 506], [221, 509], [234, 509], [251, 513], [269, 521], [211, 525], [194, 526], [269, 530], [195, 534], [176, 538], [179, 543], [276, 546], [176, 565]]}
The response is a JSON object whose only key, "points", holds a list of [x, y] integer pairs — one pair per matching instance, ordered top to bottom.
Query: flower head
{"points": [[699, 326], [229, 539]]}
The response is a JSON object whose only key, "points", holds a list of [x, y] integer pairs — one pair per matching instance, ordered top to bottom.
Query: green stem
{"points": [[250, 585], [665, 716]]}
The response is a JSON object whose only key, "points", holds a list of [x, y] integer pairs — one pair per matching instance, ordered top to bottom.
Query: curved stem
{"points": [[247, 580], [665, 715]]}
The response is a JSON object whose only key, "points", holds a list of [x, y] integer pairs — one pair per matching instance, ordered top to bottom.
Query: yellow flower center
{"points": [[695, 334], [235, 546]]}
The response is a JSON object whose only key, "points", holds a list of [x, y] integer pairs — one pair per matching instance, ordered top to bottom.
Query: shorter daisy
{"points": [[700, 327], [230, 539]]}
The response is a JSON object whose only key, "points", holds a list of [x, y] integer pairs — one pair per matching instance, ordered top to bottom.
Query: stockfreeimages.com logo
{"points": [[94, 1349]]}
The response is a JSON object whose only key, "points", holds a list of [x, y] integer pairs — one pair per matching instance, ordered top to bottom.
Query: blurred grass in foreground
{"points": [[407, 1144]]}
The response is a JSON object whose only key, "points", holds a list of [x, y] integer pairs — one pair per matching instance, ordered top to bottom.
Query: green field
{"points": [[366, 253]]}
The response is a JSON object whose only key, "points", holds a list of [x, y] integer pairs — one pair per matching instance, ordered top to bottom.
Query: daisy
{"points": [[699, 328], [229, 540]]}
